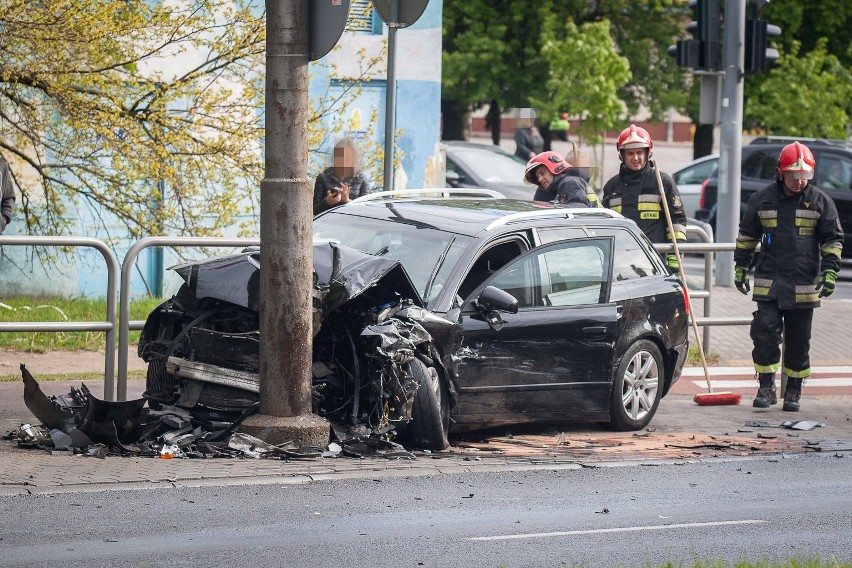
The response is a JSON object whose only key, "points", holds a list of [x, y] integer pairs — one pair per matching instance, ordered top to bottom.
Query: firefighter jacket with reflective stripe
{"points": [[569, 190], [635, 195], [800, 236]]}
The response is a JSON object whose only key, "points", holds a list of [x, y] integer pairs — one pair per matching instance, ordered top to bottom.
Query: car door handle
{"points": [[594, 332]]}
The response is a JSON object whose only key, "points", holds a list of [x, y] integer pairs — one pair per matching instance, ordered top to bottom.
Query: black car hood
{"points": [[342, 272]]}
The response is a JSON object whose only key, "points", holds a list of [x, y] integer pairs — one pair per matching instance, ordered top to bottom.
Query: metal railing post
{"points": [[108, 326]]}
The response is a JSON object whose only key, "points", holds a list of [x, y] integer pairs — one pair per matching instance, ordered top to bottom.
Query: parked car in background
{"points": [[471, 165], [833, 175], [689, 179], [437, 314]]}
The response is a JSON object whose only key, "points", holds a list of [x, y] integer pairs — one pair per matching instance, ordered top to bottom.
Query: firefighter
{"points": [[551, 173], [634, 192], [801, 239]]}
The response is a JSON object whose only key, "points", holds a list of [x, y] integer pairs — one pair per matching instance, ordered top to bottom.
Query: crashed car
{"points": [[437, 313]]}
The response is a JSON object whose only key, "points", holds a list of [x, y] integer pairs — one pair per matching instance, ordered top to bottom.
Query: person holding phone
{"points": [[343, 181]]}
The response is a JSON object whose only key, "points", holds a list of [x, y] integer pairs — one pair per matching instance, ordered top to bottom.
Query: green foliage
{"points": [[806, 23], [584, 75], [803, 96], [101, 102], [29, 309]]}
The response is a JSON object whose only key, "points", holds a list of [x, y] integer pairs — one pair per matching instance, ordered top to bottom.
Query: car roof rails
{"points": [[802, 139], [430, 192], [559, 212]]}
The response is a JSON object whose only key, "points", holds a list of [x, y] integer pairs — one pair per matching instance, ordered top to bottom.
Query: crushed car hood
{"points": [[342, 272]]}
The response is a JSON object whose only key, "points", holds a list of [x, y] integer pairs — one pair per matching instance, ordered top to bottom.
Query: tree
{"points": [[585, 73], [103, 104], [818, 104]]}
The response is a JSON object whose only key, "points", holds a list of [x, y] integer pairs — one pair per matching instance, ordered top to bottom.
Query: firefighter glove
{"points": [[672, 263], [741, 279], [826, 283]]}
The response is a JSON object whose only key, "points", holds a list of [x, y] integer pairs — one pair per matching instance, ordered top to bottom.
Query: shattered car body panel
{"points": [[370, 332]]}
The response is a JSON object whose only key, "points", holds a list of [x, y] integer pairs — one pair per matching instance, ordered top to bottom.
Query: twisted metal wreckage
{"points": [[376, 355]]}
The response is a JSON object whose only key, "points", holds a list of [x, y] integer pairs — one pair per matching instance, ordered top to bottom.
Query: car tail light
{"points": [[703, 203], [685, 299]]}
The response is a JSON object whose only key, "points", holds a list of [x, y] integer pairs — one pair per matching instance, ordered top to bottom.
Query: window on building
{"points": [[362, 18]]}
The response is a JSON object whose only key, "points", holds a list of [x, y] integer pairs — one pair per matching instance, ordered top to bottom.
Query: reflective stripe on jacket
{"points": [[635, 195], [800, 236]]}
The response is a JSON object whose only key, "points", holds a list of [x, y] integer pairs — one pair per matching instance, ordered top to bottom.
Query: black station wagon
{"points": [[441, 311]]}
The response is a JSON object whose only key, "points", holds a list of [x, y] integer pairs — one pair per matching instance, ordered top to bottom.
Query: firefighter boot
{"points": [[766, 393], [792, 395]]}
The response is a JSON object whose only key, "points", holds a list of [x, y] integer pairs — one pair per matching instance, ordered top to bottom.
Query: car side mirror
{"points": [[452, 178], [493, 300], [497, 300]]}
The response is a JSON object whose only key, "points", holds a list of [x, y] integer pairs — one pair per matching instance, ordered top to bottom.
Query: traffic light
{"points": [[704, 52], [757, 55]]}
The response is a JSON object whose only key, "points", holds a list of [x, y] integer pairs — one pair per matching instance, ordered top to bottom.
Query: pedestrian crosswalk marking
{"points": [[740, 371], [750, 383]]}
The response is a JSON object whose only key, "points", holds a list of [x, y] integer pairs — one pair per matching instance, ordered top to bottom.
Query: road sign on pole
{"points": [[327, 22]]}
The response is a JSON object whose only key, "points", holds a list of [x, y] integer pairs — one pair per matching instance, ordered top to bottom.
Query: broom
{"points": [[709, 398]]}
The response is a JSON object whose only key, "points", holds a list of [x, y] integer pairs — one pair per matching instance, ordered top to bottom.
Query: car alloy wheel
{"points": [[636, 391]]}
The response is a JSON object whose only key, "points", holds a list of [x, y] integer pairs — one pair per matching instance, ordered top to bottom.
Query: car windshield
{"points": [[493, 167], [427, 254]]}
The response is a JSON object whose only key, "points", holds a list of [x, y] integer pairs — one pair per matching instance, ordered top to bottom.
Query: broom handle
{"points": [[682, 273]]}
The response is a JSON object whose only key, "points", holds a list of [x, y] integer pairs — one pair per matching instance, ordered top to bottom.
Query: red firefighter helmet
{"points": [[634, 137], [797, 160], [555, 163]]}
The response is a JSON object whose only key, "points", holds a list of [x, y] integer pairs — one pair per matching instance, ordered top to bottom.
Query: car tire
{"points": [[637, 388], [430, 412]]}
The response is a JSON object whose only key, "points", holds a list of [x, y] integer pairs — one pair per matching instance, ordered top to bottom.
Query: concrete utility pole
{"points": [[390, 98], [731, 143], [286, 254]]}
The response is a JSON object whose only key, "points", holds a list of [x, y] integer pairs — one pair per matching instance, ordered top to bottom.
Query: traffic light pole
{"points": [[730, 144]]}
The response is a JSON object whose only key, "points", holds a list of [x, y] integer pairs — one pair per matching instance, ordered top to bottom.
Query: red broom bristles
{"points": [[717, 398]]}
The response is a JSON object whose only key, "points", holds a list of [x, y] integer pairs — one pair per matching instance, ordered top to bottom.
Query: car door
{"points": [[553, 358]]}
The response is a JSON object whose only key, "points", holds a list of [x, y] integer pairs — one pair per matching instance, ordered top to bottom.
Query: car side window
{"points": [[760, 164], [453, 167], [833, 172], [696, 174], [630, 260], [489, 262], [568, 273]]}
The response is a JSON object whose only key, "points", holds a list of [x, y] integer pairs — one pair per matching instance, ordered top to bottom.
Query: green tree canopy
{"points": [[514, 52], [585, 73], [803, 96]]}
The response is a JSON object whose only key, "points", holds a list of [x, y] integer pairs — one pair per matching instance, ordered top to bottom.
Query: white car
{"points": [[689, 179]]}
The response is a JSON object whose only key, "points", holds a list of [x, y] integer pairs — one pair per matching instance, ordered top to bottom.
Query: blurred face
{"points": [[344, 157], [634, 158], [543, 177], [793, 186]]}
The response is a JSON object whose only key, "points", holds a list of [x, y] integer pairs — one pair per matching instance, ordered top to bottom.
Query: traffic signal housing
{"points": [[704, 52], [757, 55]]}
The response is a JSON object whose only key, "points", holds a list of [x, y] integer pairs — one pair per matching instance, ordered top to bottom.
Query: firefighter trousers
{"points": [[769, 326]]}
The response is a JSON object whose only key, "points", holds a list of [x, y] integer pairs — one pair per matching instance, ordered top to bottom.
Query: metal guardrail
{"points": [[707, 248], [124, 301], [107, 325], [125, 325]]}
